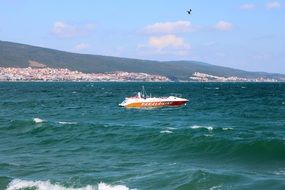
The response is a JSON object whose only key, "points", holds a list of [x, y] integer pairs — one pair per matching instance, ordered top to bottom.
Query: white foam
{"points": [[211, 88], [38, 120], [67, 123], [202, 127], [171, 128], [227, 128], [166, 131], [281, 172], [18, 184], [104, 186], [215, 187]]}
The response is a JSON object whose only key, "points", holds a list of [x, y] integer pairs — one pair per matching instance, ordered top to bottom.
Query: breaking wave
{"points": [[38, 120], [67, 123], [209, 128], [166, 131], [18, 184]]}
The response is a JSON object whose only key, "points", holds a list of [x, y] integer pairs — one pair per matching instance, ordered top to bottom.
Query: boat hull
{"points": [[155, 104]]}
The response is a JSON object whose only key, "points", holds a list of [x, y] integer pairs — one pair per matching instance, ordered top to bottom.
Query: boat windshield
{"points": [[143, 93]]}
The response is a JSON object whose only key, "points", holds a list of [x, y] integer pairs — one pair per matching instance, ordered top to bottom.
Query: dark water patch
{"points": [[30, 126], [254, 150], [208, 180]]}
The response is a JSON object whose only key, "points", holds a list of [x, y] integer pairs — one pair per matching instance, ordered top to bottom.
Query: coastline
{"points": [[47, 74], [247, 82]]}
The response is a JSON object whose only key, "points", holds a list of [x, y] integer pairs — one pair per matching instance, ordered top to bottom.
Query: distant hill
{"points": [[20, 55]]}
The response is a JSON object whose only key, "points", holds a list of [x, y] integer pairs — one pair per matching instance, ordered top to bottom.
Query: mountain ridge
{"points": [[21, 55]]}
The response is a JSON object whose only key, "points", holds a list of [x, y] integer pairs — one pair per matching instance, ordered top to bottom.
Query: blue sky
{"points": [[248, 35]]}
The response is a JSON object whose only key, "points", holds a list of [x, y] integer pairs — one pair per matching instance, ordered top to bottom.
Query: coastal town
{"points": [[60, 74], [63, 74], [203, 77]]}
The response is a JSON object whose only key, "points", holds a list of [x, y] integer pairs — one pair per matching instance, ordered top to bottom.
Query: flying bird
{"points": [[189, 12]]}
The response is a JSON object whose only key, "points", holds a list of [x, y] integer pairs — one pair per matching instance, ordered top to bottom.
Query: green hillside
{"points": [[20, 55]]}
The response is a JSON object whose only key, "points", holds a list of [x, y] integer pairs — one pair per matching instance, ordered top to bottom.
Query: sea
{"points": [[74, 136]]}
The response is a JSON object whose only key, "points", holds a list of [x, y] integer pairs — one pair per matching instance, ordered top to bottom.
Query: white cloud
{"points": [[273, 5], [248, 6], [223, 26], [170, 27], [65, 30], [168, 41], [165, 45], [81, 46]]}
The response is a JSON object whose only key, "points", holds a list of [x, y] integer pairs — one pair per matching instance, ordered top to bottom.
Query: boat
{"points": [[142, 100]]}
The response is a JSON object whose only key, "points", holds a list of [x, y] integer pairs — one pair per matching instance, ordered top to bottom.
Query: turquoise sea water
{"points": [[74, 136]]}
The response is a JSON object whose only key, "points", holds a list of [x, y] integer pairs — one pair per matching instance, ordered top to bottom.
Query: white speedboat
{"points": [[142, 100]]}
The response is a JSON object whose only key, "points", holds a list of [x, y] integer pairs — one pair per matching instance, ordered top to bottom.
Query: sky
{"points": [[248, 35]]}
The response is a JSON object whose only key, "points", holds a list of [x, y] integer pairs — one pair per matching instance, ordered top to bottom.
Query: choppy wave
{"points": [[216, 88], [38, 120], [67, 123], [209, 128], [227, 128], [166, 131], [219, 143], [18, 184]]}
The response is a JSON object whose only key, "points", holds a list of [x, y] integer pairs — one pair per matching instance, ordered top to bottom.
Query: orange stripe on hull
{"points": [[155, 104]]}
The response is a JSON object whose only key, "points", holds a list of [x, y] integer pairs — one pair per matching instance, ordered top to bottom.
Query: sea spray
{"points": [[38, 120], [67, 123], [209, 128], [166, 131], [18, 184]]}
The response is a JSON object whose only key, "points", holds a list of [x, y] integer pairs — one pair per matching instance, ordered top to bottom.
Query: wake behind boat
{"points": [[142, 100]]}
